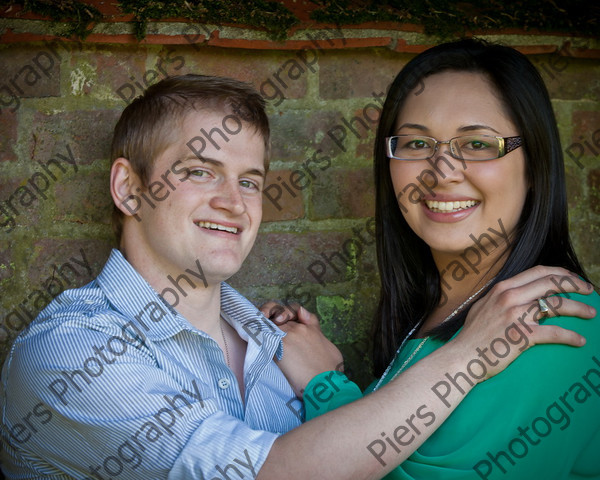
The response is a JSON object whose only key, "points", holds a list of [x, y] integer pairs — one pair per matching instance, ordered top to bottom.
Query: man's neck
{"points": [[197, 299]]}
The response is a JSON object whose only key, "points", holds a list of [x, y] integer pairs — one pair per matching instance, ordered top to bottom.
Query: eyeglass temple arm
{"points": [[508, 144]]}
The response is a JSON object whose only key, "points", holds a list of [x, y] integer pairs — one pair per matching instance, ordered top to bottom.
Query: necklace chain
{"points": [[224, 341], [416, 350]]}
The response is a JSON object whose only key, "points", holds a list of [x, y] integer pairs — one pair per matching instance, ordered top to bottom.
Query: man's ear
{"points": [[123, 184]]}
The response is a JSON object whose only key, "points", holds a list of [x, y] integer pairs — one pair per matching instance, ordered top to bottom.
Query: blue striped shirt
{"points": [[110, 381]]}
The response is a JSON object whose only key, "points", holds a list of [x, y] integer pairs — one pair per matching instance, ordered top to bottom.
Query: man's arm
{"points": [[88, 400]]}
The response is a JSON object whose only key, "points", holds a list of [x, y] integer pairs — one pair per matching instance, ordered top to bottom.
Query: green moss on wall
{"points": [[77, 16], [274, 17], [442, 18], [447, 18]]}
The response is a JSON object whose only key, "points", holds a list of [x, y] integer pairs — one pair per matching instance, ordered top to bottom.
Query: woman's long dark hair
{"points": [[410, 282]]}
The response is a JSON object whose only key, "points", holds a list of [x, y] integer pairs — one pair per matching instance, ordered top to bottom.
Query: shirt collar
{"points": [[133, 296], [248, 320]]}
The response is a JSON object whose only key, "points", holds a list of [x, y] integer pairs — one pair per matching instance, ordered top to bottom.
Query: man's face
{"points": [[214, 206]]}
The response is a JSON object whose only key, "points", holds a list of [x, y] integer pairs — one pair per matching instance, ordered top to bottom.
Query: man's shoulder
{"points": [[70, 323]]}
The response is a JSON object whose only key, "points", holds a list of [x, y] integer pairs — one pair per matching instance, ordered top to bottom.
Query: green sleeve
{"points": [[328, 391], [539, 418]]}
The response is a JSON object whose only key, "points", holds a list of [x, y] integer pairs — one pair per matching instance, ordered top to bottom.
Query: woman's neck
{"points": [[460, 285]]}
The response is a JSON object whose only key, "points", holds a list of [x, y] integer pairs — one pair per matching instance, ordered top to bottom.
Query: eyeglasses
{"points": [[468, 147]]}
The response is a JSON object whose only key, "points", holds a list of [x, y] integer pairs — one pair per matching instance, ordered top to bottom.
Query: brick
{"points": [[121, 70], [32, 71], [351, 74], [277, 75], [569, 78], [586, 126], [357, 127], [294, 132], [87, 133], [8, 135], [366, 145], [593, 182], [574, 187], [344, 194], [86, 198], [279, 202], [17, 206], [586, 241], [49, 254], [285, 258], [7, 268], [341, 318]]}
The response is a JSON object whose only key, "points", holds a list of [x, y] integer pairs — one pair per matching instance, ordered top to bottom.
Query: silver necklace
{"points": [[224, 340], [416, 350]]}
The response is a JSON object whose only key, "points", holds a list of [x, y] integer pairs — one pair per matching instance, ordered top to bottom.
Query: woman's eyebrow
{"points": [[415, 126], [466, 128], [470, 128]]}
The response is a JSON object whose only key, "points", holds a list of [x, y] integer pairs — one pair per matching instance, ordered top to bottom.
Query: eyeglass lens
{"points": [[468, 147]]}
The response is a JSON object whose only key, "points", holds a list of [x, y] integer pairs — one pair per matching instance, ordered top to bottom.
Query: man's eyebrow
{"points": [[212, 161], [220, 164], [257, 171]]}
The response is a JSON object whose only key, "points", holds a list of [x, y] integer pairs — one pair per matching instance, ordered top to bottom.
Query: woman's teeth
{"points": [[447, 207]]}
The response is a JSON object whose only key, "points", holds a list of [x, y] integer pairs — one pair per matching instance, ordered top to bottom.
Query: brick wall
{"points": [[60, 100]]}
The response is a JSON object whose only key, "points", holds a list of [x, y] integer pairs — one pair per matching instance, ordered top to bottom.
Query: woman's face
{"points": [[490, 193]]}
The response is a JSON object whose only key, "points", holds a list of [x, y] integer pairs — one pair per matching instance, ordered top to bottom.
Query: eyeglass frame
{"points": [[506, 145]]}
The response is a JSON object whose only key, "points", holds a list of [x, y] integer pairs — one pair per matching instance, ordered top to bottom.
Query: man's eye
{"points": [[199, 173], [249, 184]]}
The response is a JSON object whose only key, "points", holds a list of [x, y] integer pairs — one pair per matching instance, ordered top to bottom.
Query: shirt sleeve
{"points": [[328, 391], [68, 414]]}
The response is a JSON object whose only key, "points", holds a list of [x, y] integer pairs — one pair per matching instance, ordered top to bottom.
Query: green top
{"points": [[538, 419]]}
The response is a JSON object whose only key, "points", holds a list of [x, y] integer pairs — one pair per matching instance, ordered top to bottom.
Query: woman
{"points": [[470, 195]]}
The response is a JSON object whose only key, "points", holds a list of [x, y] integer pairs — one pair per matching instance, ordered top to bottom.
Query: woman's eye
{"points": [[417, 144], [477, 145], [199, 173]]}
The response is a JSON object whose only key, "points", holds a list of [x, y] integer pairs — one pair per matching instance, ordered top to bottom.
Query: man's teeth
{"points": [[436, 206], [216, 226]]}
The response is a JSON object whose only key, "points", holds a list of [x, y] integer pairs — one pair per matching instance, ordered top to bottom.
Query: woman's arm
{"points": [[334, 445]]}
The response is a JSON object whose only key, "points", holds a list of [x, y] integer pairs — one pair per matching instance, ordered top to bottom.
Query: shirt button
{"points": [[223, 383]]}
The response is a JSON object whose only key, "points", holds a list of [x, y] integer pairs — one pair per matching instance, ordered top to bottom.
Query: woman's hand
{"points": [[280, 314], [507, 320], [306, 351]]}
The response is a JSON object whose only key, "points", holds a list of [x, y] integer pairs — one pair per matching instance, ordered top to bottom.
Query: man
{"points": [[157, 368]]}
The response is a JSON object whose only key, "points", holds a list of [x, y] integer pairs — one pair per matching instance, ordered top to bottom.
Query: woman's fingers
{"points": [[560, 274], [524, 292], [562, 306], [280, 314], [511, 314], [555, 334], [306, 351]]}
